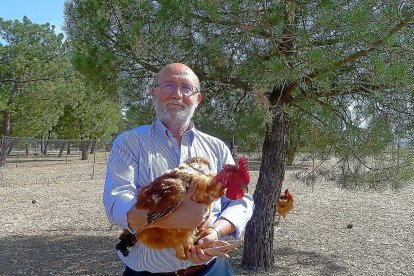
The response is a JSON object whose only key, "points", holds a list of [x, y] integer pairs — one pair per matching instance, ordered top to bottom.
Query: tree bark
{"points": [[7, 123], [42, 144], [46, 144], [11, 145], [93, 147], [62, 148], [68, 148], [85, 149], [3, 153], [259, 235], [258, 241]]}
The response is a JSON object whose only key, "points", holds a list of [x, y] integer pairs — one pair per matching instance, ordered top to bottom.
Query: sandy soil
{"points": [[52, 223]]}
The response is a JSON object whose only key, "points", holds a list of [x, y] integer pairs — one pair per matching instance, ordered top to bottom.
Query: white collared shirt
{"points": [[142, 154]]}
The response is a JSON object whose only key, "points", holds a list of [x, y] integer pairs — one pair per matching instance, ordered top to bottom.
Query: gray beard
{"points": [[175, 119]]}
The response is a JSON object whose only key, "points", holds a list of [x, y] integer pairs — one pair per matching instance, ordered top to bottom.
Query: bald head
{"points": [[177, 69], [173, 108]]}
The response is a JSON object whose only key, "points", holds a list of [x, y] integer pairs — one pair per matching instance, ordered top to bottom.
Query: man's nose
{"points": [[177, 93]]}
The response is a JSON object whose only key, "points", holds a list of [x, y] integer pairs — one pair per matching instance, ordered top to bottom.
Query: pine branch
{"points": [[362, 53], [34, 80]]}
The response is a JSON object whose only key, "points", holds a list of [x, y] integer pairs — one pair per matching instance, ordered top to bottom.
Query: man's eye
{"points": [[169, 85], [186, 88]]}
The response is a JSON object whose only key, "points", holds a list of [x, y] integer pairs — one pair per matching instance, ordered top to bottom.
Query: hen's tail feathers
{"points": [[127, 239]]}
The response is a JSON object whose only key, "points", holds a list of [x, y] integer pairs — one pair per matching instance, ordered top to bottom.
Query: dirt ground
{"points": [[52, 222]]}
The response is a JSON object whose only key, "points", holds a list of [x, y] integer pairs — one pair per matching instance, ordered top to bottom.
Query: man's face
{"points": [[171, 106]]}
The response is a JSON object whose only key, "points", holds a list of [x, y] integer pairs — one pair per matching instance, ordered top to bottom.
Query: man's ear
{"points": [[152, 92], [199, 98]]}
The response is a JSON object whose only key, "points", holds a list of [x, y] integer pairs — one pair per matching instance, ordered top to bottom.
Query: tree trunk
{"points": [[7, 123], [47, 142], [12, 143], [42, 144], [93, 147], [62, 148], [68, 148], [85, 149], [3, 153], [259, 235], [258, 241]]}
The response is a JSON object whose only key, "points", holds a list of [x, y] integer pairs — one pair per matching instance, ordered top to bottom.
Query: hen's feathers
{"points": [[165, 194], [285, 204]]}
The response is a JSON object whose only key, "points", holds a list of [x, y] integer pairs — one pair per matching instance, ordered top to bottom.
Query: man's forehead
{"points": [[177, 72], [182, 74]]}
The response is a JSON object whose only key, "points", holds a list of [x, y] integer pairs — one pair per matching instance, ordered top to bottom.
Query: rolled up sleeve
{"points": [[237, 212]]}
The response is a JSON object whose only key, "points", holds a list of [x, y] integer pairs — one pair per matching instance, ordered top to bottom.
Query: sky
{"points": [[38, 11]]}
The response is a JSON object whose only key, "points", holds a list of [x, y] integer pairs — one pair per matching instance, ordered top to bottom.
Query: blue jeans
{"points": [[219, 268]]}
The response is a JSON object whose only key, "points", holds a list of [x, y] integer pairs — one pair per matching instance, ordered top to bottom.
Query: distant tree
{"points": [[31, 55], [336, 73], [38, 86], [38, 108], [90, 116]]}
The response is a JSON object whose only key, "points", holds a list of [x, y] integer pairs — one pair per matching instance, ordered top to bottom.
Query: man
{"points": [[140, 155]]}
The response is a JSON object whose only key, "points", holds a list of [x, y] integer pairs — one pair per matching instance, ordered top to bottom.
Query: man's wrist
{"points": [[217, 230]]}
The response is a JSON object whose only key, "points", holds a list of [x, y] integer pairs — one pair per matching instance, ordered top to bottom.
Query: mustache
{"points": [[177, 102]]}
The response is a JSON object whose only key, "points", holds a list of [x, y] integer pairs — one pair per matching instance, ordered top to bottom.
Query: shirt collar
{"points": [[164, 132]]}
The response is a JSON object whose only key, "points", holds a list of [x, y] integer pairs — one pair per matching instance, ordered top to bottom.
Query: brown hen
{"points": [[162, 196], [285, 204]]}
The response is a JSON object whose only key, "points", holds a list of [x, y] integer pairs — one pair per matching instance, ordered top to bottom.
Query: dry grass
{"points": [[52, 223]]}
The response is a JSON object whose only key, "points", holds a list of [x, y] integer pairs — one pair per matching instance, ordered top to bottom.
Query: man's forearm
{"points": [[224, 227]]}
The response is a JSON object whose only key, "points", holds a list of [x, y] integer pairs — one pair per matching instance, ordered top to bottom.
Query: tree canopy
{"points": [[331, 76], [38, 84]]}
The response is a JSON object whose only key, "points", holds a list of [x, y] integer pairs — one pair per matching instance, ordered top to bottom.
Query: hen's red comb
{"points": [[244, 169]]}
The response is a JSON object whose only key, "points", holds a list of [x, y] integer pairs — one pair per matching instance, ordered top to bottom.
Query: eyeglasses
{"points": [[170, 87]]}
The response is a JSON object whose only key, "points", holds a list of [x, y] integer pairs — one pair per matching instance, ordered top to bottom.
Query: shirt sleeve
{"points": [[120, 189], [237, 212]]}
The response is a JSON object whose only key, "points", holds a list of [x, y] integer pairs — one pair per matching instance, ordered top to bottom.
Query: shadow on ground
{"points": [[58, 255], [88, 255], [289, 261]]}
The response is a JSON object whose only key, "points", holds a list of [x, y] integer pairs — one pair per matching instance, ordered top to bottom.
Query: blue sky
{"points": [[38, 11]]}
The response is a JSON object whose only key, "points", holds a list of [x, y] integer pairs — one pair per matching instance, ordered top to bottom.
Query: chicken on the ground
{"points": [[285, 204]]}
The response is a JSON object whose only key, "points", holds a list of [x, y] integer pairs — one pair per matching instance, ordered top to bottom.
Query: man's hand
{"points": [[188, 215], [210, 246], [198, 256]]}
